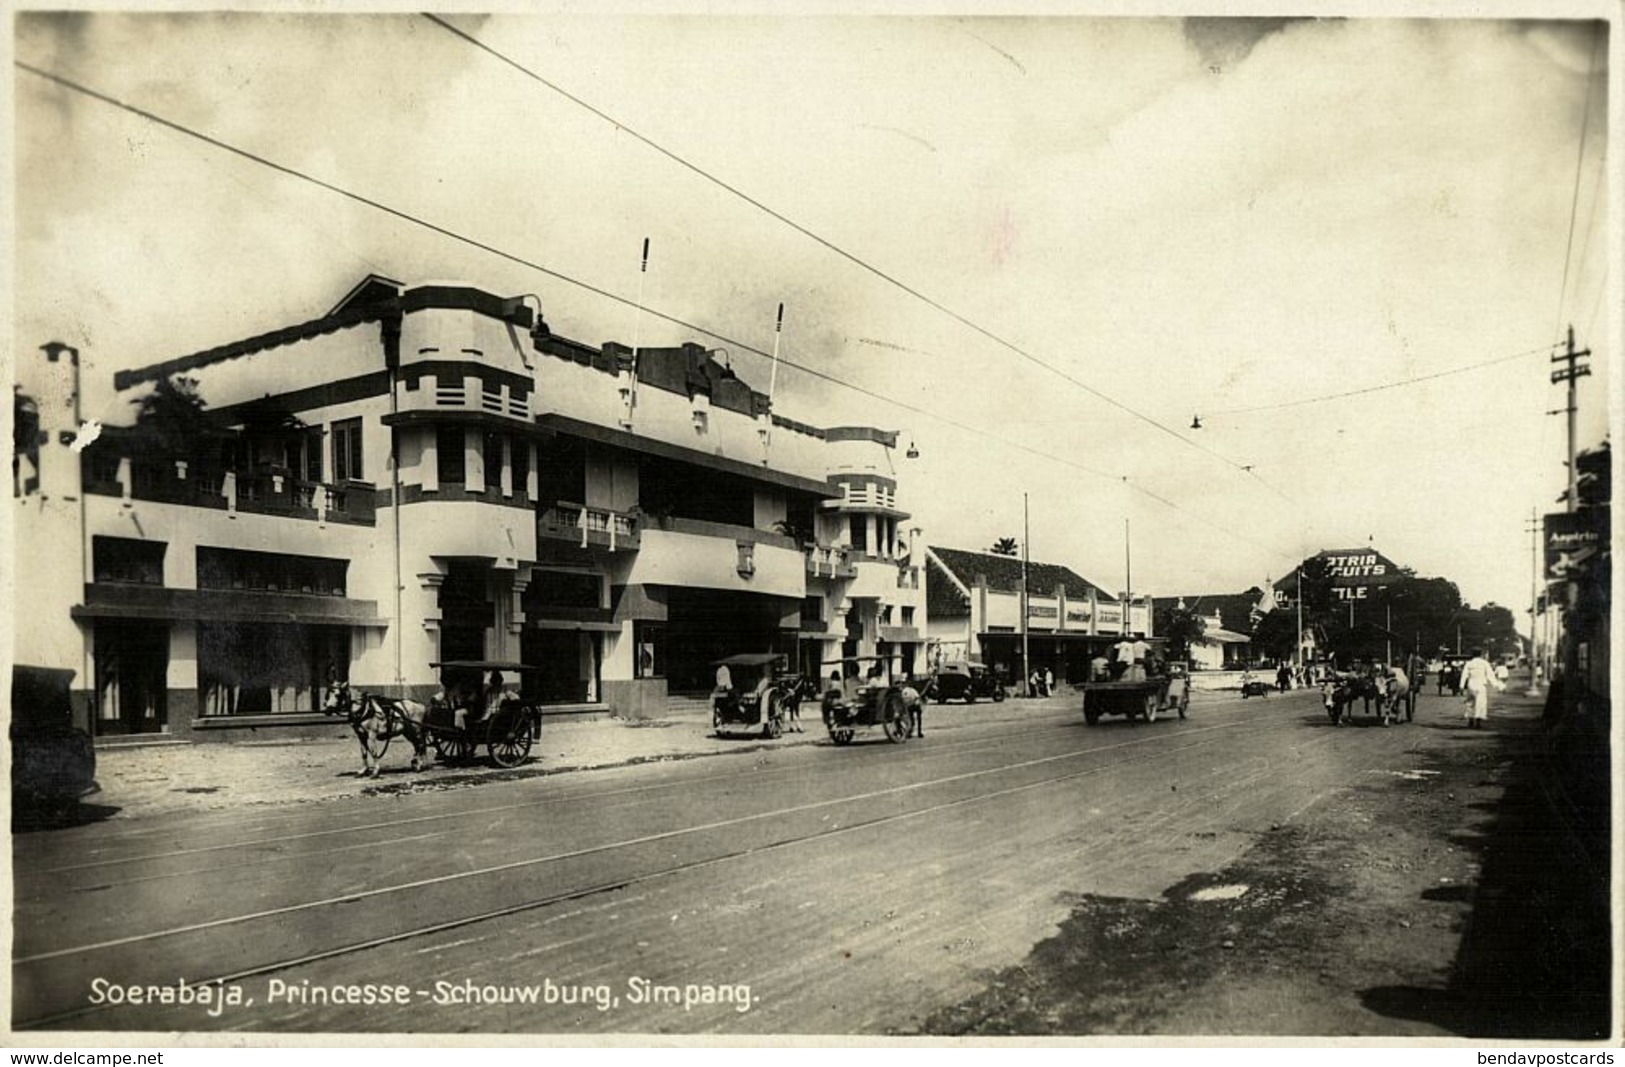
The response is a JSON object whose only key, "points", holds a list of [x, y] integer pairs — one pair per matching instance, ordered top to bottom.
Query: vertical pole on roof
{"points": [[637, 330], [1128, 580], [1026, 667]]}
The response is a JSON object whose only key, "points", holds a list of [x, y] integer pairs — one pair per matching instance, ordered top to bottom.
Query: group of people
{"points": [[1472, 681]]}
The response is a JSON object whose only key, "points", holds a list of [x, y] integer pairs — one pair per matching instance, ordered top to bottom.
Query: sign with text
{"points": [[1572, 538], [1356, 573]]}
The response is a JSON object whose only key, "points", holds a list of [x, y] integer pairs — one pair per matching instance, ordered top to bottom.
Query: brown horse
{"points": [[376, 720]]}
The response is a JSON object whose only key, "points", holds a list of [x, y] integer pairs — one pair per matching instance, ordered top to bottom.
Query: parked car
{"points": [[964, 680], [53, 763]]}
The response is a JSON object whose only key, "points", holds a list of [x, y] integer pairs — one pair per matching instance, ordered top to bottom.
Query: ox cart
{"points": [[1144, 698]]}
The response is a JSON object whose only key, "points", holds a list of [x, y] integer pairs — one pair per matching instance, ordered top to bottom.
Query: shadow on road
{"points": [[1534, 957]]}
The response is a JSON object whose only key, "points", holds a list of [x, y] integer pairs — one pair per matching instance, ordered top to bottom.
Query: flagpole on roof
{"points": [[637, 329]]}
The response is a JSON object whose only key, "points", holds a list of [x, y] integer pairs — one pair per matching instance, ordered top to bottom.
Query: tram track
{"points": [[1117, 756], [454, 820]]}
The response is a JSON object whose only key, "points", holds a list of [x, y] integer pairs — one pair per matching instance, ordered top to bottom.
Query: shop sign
{"points": [[1572, 538]]}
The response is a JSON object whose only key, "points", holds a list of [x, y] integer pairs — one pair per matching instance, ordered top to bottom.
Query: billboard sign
{"points": [[1572, 538], [1357, 573]]}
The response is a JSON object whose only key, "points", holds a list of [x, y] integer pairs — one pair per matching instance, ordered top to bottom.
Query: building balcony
{"points": [[261, 492], [869, 498], [585, 526], [828, 561]]}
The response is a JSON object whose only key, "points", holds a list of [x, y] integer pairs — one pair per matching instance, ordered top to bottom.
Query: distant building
{"points": [[428, 474], [973, 611], [1228, 621]]}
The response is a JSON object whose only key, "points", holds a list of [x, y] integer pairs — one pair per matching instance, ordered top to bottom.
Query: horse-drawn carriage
{"points": [[761, 694], [864, 696], [473, 709]]}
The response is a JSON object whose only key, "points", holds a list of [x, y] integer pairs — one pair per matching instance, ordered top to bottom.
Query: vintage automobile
{"points": [[964, 680], [1167, 688], [763, 696], [53, 763]]}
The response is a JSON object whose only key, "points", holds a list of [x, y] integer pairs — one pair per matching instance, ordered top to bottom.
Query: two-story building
{"points": [[425, 474], [975, 602]]}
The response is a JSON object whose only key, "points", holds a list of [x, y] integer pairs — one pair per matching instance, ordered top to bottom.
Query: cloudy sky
{"points": [[1039, 245]]}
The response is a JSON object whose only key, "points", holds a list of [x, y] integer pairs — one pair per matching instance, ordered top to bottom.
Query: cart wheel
{"points": [[998, 695], [1153, 702], [894, 719], [841, 735], [508, 738], [453, 748]]}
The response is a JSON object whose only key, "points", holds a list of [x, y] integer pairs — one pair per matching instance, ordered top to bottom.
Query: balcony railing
{"points": [[262, 492], [870, 496], [563, 521], [828, 561]]}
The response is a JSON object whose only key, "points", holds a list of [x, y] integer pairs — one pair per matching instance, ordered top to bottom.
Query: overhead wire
{"points": [[1579, 161], [408, 217], [838, 250], [1399, 383]]}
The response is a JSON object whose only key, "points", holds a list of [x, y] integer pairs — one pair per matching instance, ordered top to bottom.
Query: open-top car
{"points": [[964, 680], [762, 694], [53, 763]]}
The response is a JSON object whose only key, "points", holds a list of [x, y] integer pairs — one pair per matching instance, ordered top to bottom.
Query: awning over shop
{"points": [[224, 605], [573, 624]]}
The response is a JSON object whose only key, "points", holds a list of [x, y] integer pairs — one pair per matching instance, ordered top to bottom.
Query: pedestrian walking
{"points": [[1477, 679], [1049, 682]]}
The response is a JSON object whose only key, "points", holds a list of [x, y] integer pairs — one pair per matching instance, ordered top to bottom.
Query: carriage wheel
{"points": [[998, 695], [1153, 703], [895, 721], [841, 735], [508, 737], [452, 748]]}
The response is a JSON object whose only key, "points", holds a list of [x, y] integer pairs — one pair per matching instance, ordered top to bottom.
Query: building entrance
{"points": [[704, 625]]}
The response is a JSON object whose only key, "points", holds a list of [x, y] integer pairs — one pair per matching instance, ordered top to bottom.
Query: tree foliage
{"points": [[173, 422], [1006, 546], [1183, 627]]}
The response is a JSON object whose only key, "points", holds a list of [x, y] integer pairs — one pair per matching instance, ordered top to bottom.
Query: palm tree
{"points": [[1006, 546]]}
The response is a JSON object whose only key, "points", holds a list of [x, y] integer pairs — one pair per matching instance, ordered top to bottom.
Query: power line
{"points": [[1579, 159], [850, 257], [735, 343], [1384, 386]]}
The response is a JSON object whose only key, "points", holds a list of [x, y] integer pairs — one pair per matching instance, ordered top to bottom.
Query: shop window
{"points": [[449, 455], [347, 465], [125, 559], [270, 572], [562, 589], [650, 638], [267, 668]]}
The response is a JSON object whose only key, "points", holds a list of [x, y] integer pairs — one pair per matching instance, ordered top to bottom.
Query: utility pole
{"points": [[1574, 371], [1534, 572], [1128, 580], [1026, 668]]}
